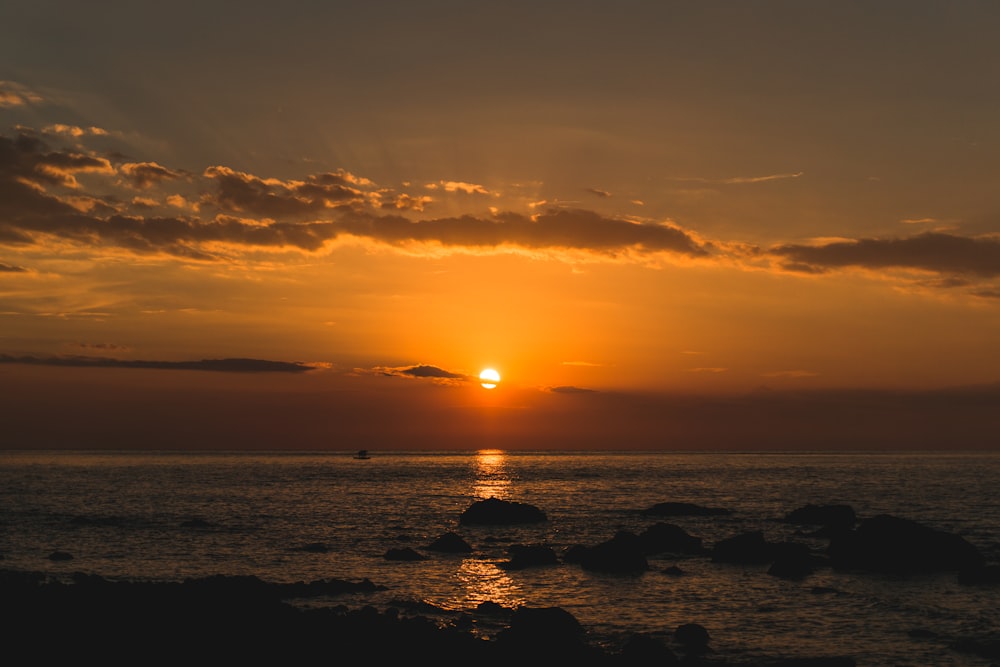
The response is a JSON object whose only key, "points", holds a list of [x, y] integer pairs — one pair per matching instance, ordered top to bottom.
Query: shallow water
{"points": [[120, 515]]}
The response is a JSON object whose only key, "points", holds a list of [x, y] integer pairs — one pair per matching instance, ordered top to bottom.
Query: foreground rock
{"points": [[231, 620], [548, 634]]}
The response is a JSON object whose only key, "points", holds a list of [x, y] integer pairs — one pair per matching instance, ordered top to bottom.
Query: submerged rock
{"points": [[668, 538], [450, 543], [893, 545], [404, 554], [622, 554], [525, 555]]}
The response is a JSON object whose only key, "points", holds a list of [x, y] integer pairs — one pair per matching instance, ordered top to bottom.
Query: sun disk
{"points": [[489, 378]]}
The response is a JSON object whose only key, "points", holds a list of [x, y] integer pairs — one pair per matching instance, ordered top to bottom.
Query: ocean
{"points": [[289, 517]]}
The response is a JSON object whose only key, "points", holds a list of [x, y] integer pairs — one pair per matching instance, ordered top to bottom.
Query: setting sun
{"points": [[490, 378]]}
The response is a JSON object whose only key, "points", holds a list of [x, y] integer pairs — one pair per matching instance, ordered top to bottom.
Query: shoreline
{"points": [[230, 618]]}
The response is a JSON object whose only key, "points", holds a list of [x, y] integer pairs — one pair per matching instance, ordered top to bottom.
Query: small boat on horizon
{"points": [[362, 454]]}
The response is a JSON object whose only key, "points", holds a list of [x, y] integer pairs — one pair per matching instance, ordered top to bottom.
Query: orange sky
{"points": [[678, 224]]}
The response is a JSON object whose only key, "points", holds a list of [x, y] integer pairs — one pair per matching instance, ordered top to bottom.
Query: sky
{"points": [[666, 225]]}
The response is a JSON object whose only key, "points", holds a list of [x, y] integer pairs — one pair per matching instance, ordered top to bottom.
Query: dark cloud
{"points": [[74, 130], [27, 158], [144, 174], [332, 188], [243, 193], [39, 197], [271, 198], [405, 202], [29, 211], [303, 214], [556, 228], [581, 230], [9, 235], [178, 236], [933, 251], [799, 267], [10, 268], [222, 365], [425, 371], [570, 390]]}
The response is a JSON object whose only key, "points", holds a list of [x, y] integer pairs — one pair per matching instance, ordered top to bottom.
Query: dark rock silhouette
{"points": [[683, 509], [496, 512], [828, 516], [668, 538], [450, 543], [890, 544], [745, 548], [404, 554], [622, 554], [523, 556], [791, 560], [673, 571], [981, 574], [491, 608], [229, 619], [547, 633], [693, 637], [988, 647], [641, 649], [831, 661]]}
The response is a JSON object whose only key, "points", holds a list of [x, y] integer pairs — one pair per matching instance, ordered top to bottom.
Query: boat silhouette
{"points": [[362, 454]]}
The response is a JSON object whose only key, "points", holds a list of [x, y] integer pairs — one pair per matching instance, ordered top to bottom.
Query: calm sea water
{"points": [[120, 515]]}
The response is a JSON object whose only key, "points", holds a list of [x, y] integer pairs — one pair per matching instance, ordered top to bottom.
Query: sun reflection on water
{"points": [[492, 479], [480, 578], [484, 581]]}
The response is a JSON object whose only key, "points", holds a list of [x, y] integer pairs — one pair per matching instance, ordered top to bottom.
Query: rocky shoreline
{"points": [[230, 618], [227, 619]]}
